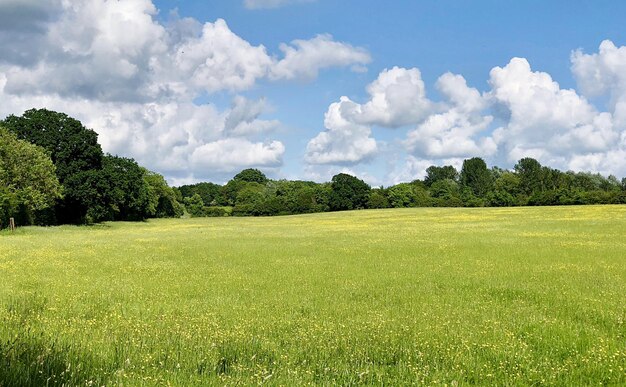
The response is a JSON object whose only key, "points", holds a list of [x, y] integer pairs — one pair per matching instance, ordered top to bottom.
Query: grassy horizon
{"points": [[506, 296]]}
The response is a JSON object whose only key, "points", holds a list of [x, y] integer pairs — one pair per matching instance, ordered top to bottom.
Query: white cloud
{"points": [[261, 4], [118, 51], [219, 59], [303, 59], [114, 66], [604, 73], [397, 98], [536, 117], [243, 118], [544, 120], [456, 131], [173, 138], [343, 142], [233, 154], [414, 168]]}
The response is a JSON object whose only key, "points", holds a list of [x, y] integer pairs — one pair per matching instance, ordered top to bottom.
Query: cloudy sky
{"points": [[304, 89]]}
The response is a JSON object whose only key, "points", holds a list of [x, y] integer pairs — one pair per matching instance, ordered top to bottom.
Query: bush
{"points": [[217, 211]]}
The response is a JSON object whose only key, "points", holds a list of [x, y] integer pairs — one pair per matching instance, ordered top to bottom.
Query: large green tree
{"points": [[74, 150], [435, 173], [251, 175], [530, 175], [476, 176], [28, 182], [209, 192], [348, 193], [408, 195], [162, 198]]}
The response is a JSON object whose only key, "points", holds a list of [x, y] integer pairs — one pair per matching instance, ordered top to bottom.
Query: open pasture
{"points": [[505, 296]]}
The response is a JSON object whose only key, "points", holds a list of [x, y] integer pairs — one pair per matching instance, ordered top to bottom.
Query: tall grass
{"points": [[411, 296]]}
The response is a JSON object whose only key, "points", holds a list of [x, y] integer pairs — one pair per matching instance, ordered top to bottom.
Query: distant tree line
{"points": [[53, 171], [251, 193]]}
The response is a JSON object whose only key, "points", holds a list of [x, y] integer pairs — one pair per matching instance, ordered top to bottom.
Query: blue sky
{"points": [[254, 90]]}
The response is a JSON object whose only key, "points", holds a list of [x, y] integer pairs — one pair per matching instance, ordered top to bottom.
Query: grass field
{"points": [[516, 296]]}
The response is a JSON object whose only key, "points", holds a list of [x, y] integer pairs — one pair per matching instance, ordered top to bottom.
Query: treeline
{"points": [[53, 171], [251, 193]]}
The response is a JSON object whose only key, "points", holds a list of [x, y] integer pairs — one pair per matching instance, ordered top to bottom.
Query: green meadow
{"points": [[499, 296]]}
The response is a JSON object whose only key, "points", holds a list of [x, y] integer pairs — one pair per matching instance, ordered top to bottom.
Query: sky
{"points": [[306, 89]]}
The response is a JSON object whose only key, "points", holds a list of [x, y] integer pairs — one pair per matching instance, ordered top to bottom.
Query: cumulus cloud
{"points": [[261, 4], [303, 59], [604, 73], [134, 80], [397, 97], [524, 113], [243, 118], [535, 118], [544, 120], [454, 132], [165, 136], [343, 141], [232, 154]]}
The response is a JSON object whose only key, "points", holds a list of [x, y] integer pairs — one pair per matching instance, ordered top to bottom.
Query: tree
{"points": [[73, 149], [434, 174], [251, 175], [530, 175], [476, 176], [28, 182], [506, 190], [118, 191], [209, 192], [228, 192], [129, 193], [348, 193], [447, 193], [408, 195], [296, 197], [378, 199], [249, 200], [163, 203], [194, 205]]}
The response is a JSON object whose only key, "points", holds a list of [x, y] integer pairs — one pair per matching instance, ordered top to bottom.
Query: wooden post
{"points": [[12, 224]]}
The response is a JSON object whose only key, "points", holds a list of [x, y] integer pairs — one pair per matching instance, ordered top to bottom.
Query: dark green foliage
{"points": [[73, 149], [435, 173], [251, 175], [530, 175], [476, 176], [28, 183], [528, 184], [95, 187], [209, 192], [229, 192], [348, 193], [446, 193], [125, 194], [408, 195], [300, 197], [378, 199], [469, 199], [250, 200], [163, 202], [194, 205], [218, 211]]}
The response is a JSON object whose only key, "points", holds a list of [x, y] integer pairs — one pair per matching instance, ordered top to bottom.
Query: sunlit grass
{"points": [[437, 296]]}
